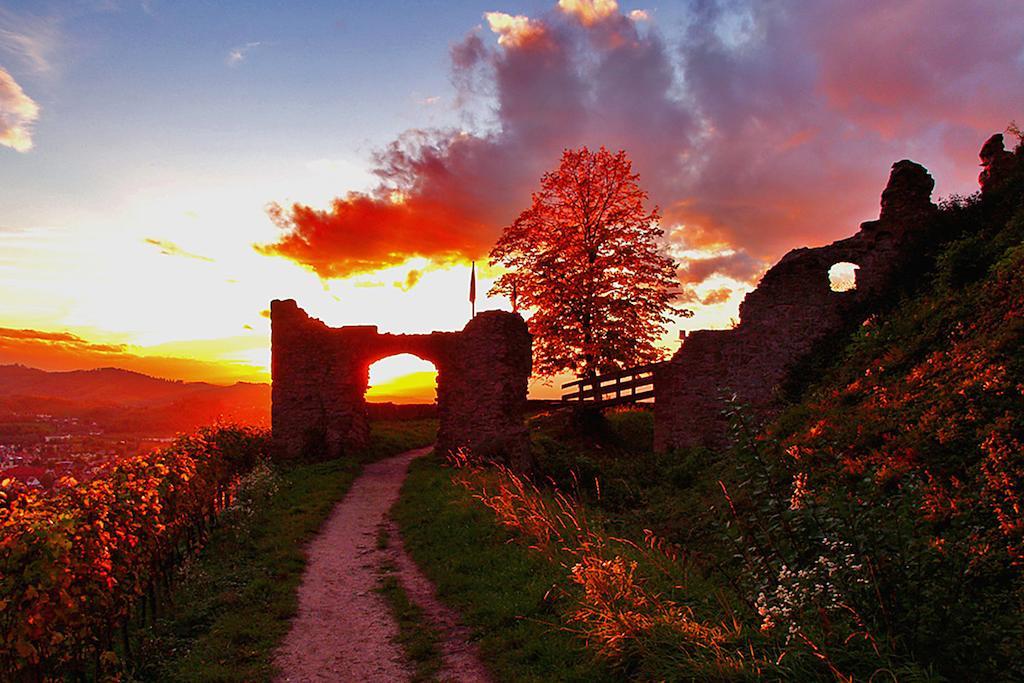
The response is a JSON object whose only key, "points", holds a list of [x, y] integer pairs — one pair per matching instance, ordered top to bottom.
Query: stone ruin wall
{"points": [[794, 310], [320, 376]]}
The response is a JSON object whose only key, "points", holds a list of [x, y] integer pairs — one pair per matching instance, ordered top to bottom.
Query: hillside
{"points": [[105, 386], [122, 400], [911, 447]]}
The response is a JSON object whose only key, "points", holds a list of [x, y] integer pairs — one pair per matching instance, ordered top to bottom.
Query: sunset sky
{"points": [[146, 148]]}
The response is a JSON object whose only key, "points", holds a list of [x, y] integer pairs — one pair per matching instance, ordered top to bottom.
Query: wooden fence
{"points": [[625, 386]]}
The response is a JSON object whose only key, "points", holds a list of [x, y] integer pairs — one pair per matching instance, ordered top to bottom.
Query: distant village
{"points": [[41, 450]]}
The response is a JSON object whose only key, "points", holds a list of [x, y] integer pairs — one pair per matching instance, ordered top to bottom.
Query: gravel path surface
{"points": [[344, 630]]}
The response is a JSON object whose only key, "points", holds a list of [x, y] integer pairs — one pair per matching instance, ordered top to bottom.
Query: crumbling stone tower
{"points": [[793, 309], [320, 375]]}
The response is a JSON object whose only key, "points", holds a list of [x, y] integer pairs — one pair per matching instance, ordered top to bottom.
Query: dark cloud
{"points": [[808, 105], [738, 266], [716, 296], [12, 336]]}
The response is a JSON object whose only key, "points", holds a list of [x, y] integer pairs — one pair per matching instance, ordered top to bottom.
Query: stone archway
{"points": [[320, 376]]}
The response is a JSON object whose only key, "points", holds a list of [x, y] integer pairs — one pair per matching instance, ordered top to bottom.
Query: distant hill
{"points": [[112, 386], [122, 400]]}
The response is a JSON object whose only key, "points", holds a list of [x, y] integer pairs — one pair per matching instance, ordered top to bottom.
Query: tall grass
{"points": [[625, 599]]}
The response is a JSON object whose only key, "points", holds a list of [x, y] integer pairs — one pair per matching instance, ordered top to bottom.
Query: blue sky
{"points": [[136, 91], [131, 94]]}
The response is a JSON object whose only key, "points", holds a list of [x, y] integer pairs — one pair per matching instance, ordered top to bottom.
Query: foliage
{"points": [[584, 258], [910, 451], [617, 471], [878, 522], [198, 547], [75, 562]]}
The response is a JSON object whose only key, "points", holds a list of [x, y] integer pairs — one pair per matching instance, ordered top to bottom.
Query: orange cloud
{"points": [[589, 12], [514, 31], [17, 114], [446, 194], [361, 234], [738, 266], [410, 280], [716, 296], [12, 336], [59, 351]]}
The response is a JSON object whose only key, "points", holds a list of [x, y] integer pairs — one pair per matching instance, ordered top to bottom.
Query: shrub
{"points": [[74, 562]]}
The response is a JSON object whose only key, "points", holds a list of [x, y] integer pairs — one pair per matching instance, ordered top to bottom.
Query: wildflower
{"points": [[800, 491]]}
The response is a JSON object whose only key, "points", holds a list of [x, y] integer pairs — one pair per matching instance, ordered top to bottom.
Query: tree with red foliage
{"points": [[585, 259]]}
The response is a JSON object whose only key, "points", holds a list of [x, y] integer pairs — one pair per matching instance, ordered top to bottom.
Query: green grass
{"points": [[616, 472], [501, 589], [234, 603], [417, 638]]}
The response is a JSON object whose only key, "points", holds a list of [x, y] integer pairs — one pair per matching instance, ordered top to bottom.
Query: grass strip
{"points": [[418, 639]]}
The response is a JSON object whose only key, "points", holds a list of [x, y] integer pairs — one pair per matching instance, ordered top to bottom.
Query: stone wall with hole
{"points": [[795, 310], [320, 375]]}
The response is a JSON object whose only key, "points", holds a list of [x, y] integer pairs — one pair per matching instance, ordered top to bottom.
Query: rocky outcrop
{"points": [[996, 164], [320, 375]]}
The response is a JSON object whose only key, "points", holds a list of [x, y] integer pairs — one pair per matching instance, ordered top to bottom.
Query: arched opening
{"points": [[842, 277], [321, 373], [402, 379]]}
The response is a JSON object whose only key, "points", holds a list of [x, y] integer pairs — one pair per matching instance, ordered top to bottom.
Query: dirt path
{"points": [[344, 630], [460, 656]]}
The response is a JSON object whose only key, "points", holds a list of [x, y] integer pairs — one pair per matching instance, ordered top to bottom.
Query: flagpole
{"points": [[472, 291]]}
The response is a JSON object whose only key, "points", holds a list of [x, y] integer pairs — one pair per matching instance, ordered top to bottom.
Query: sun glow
{"points": [[170, 275], [403, 378]]}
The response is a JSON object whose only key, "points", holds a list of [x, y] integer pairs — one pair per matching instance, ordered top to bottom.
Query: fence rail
{"points": [[625, 386]]}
